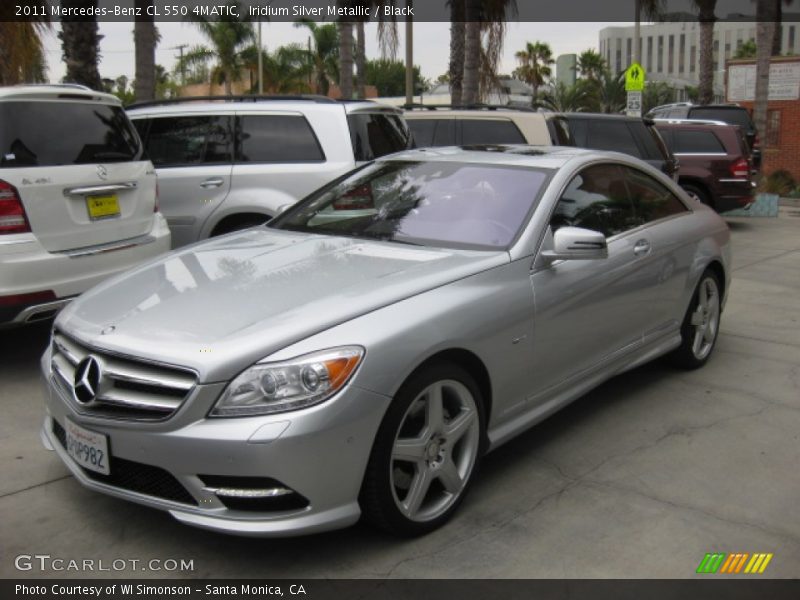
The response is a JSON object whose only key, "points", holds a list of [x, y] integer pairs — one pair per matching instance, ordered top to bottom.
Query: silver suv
{"points": [[227, 163], [77, 198]]}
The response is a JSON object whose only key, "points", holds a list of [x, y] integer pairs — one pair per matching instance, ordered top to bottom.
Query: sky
{"points": [[431, 44]]}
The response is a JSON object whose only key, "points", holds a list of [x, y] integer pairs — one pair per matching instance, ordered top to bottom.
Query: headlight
{"points": [[267, 388]]}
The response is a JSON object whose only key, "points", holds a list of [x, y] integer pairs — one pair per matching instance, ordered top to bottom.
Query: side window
{"points": [[422, 131], [490, 131], [580, 132], [445, 133], [377, 134], [612, 135], [276, 139], [180, 141], [697, 142], [597, 199], [651, 200]]}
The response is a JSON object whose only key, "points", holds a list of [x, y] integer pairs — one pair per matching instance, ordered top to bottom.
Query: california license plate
{"points": [[103, 207], [88, 448]]}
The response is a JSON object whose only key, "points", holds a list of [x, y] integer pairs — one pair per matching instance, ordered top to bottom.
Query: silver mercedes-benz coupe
{"points": [[361, 352]]}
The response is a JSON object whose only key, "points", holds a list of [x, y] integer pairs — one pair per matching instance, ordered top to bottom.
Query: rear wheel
{"points": [[696, 193], [700, 325], [426, 452]]}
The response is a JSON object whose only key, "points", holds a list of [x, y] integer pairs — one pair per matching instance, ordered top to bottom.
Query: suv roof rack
{"points": [[72, 86], [237, 98], [478, 106], [689, 121]]}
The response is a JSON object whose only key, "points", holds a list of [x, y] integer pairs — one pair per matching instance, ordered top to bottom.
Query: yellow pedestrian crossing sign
{"points": [[634, 78]]}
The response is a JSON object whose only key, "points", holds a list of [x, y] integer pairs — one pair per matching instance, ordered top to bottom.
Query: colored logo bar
{"points": [[734, 563]]}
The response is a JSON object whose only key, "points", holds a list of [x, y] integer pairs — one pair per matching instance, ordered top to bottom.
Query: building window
{"points": [[791, 40], [727, 45], [628, 48], [649, 53], [681, 53], [693, 54], [715, 54], [660, 55], [671, 55], [618, 61], [773, 128]]}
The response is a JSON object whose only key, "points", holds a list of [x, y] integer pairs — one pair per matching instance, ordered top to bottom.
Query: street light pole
{"points": [[260, 62]]}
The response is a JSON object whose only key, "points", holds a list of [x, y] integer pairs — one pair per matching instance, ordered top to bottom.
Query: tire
{"points": [[697, 193], [238, 224], [700, 326], [418, 473]]}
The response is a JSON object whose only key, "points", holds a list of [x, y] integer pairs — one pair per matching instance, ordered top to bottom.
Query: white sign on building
{"points": [[784, 82]]}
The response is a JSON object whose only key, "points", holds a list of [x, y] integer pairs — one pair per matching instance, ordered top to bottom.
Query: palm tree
{"points": [[765, 15], [707, 19], [345, 29], [457, 35], [229, 38], [145, 40], [80, 43], [21, 53], [323, 55], [361, 60], [535, 61], [590, 65], [285, 71], [612, 97], [565, 98]]}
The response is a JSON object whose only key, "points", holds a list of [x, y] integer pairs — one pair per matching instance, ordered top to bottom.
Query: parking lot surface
{"points": [[639, 478]]}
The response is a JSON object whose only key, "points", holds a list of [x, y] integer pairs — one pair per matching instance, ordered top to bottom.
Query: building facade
{"points": [[670, 51]]}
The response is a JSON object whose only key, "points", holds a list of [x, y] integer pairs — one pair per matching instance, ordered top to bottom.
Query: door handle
{"points": [[212, 183], [641, 247]]}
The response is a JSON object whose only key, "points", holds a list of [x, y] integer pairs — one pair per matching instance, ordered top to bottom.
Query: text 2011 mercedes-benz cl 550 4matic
{"points": [[361, 352]]}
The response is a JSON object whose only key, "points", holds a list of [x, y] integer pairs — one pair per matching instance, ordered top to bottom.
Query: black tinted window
{"points": [[734, 116], [490, 131], [433, 132], [39, 134], [375, 135], [612, 135], [277, 139], [177, 141], [697, 142], [596, 199], [651, 200]]}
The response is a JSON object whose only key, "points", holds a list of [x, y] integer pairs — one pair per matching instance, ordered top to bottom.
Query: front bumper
{"points": [[26, 267], [320, 453]]}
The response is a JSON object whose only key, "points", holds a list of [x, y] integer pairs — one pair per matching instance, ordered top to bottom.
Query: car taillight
{"points": [[741, 168], [357, 198], [12, 213], [28, 299]]}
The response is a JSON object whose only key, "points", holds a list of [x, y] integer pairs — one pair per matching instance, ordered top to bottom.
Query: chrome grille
{"points": [[128, 388]]}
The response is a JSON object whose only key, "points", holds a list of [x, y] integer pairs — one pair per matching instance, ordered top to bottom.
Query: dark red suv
{"points": [[715, 163]]}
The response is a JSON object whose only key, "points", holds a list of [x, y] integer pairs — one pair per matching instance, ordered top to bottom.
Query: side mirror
{"points": [[576, 243]]}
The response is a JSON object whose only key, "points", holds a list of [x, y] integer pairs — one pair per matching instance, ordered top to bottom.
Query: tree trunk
{"points": [[765, 15], [707, 19], [457, 32], [637, 35], [776, 36], [144, 38], [80, 43], [472, 51], [346, 59], [361, 60], [409, 84]]}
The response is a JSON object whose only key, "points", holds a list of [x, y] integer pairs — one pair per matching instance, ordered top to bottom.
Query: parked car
{"points": [[733, 114], [440, 126], [715, 162], [227, 163], [77, 198], [289, 378]]}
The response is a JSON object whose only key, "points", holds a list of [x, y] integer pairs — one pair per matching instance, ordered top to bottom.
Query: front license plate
{"points": [[103, 207], [87, 448]]}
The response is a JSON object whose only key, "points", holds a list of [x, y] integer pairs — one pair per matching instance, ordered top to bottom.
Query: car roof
{"points": [[66, 92], [222, 104], [467, 113], [599, 116], [546, 157]]}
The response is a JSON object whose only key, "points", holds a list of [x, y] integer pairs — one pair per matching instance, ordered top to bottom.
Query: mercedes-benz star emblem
{"points": [[102, 172], [87, 380]]}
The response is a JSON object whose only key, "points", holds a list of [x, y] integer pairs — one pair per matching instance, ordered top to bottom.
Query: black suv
{"points": [[733, 114], [629, 135]]}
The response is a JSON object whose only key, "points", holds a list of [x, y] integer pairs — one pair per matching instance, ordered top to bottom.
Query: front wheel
{"points": [[700, 325], [426, 452]]}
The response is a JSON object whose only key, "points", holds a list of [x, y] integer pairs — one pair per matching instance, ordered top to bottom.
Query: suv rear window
{"points": [[734, 115], [433, 132], [46, 134], [376, 134], [277, 139]]}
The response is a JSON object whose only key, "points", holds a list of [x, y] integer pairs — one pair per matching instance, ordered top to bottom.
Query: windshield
{"points": [[46, 134], [446, 204]]}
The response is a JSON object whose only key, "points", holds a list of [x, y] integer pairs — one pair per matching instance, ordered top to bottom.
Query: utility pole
{"points": [[409, 56], [180, 62], [260, 63]]}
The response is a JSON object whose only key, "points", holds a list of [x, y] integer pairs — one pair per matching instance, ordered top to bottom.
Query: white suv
{"points": [[226, 163], [77, 198]]}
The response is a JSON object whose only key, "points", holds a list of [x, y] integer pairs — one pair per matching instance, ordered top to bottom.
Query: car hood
{"points": [[218, 304]]}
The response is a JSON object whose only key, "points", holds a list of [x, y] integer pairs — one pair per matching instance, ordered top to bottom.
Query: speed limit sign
{"points": [[634, 106]]}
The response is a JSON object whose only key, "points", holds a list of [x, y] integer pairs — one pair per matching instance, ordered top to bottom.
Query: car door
{"points": [[193, 156], [590, 312]]}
